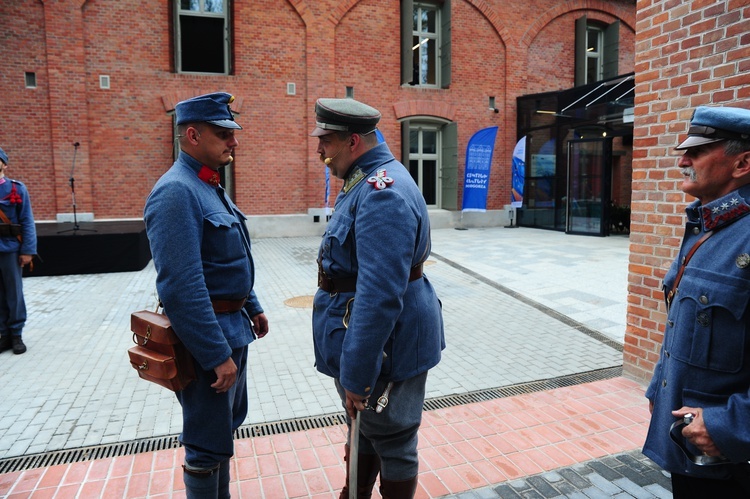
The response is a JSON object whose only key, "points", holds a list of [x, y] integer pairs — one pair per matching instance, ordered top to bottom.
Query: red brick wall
{"points": [[499, 48], [687, 54]]}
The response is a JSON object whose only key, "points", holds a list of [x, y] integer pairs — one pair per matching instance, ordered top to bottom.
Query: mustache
{"points": [[689, 172]]}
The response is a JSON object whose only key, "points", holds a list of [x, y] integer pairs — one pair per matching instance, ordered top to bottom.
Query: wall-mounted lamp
{"points": [[492, 105]]}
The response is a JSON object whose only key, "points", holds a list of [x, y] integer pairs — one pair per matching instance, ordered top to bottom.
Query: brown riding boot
{"points": [[368, 467], [398, 489]]}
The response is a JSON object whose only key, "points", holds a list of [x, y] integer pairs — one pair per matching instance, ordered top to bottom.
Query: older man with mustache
{"points": [[699, 395]]}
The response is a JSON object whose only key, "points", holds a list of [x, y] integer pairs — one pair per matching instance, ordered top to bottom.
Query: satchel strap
{"points": [[6, 220], [677, 279]]}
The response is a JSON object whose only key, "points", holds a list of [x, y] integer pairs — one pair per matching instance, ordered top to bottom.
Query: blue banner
{"points": [[518, 173], [477, 175]]}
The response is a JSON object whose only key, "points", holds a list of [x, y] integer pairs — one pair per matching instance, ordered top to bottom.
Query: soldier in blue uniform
{"points": [[17, 249], [205, 274], [377, 322], [703, 371]]}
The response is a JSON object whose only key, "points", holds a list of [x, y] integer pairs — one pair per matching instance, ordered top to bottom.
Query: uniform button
{"points": [[696, 230], [684, 260], [703, 299], [703, 319], [670, 323], [667, 354], [664, 383], [367, 389]]}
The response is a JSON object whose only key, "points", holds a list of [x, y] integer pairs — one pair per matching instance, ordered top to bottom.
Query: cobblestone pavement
{"points": [[520, 305]]}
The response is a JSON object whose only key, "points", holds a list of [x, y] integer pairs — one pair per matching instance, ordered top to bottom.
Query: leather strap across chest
{"points": [[675, 286]]}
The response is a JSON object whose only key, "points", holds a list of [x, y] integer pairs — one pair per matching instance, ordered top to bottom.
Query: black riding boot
{"points": [[368, 467], [201, 483], [398, 489]]}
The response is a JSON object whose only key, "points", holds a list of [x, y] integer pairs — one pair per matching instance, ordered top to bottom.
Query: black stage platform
{"points": [[95, 248]]}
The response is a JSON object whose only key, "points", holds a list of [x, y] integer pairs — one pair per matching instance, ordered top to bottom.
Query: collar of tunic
{"points": [[722, 211]]}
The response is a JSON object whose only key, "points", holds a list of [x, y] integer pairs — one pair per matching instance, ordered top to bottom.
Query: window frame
{"points": [[179, 13], [443, 42], [423, 48], [609, 49], [596, 55], [420, 156], [446, 182]]}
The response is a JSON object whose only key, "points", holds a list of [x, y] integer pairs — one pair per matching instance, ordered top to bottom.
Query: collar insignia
{"points": [[209, 176], [353, 179], [380, 180], [13, 197], [723, 212]]}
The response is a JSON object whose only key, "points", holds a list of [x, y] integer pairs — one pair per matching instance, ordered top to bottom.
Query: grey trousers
{"points": [[392, 434]]}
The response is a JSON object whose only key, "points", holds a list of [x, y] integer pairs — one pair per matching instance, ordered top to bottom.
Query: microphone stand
{"points": [[76, 227]]}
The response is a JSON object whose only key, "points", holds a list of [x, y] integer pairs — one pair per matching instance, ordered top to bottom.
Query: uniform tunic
{"points": [[15, 203], [377, 235], [201, 250], [705, 356]]}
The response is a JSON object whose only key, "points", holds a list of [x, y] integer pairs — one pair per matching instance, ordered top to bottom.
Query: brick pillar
{"points": [[687, 54], [321, 82], [67, 98]]}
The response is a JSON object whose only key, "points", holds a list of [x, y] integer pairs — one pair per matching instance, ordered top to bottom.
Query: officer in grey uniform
{"points": [[17, 249], [205, 275], [377, 322], [700, 389]]}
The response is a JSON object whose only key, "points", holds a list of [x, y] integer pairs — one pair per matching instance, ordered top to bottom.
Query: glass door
{"points": [[588, 188]]}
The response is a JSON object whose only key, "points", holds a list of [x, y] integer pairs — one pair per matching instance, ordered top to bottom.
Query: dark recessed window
{"points": [[202, 36], [30, 80]]}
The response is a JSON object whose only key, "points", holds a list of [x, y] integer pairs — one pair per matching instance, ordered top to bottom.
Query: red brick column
{"points": [[687, 54], [67, 99]]}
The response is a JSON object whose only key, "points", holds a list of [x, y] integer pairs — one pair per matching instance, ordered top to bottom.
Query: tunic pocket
{"points": [[222, 241], [709, 318]]}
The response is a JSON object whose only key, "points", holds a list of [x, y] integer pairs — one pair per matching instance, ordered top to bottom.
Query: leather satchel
{"points": [[159, 356]]}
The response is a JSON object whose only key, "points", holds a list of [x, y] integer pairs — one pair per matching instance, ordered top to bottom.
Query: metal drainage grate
{"points": [[80, 454]]}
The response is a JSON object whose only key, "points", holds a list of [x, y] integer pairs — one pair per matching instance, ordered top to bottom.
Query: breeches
{"points": [[12, 304], [209, 419], [392, 434]]}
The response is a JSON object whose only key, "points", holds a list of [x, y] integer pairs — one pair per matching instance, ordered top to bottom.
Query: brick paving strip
{"points": [[519, 444]]}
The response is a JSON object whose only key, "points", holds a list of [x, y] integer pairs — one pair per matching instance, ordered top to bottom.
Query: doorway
{"points": [[588, 192]]}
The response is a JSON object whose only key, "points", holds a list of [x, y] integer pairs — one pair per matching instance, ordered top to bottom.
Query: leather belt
{"points": [[349, 284], [228, 306]]}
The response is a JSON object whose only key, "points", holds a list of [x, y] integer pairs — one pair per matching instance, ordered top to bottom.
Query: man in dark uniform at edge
{"points": [[17, 249], [205, 275], [379, 342], [704, 366]]}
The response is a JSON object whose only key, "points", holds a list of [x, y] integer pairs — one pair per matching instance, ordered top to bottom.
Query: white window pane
{"points": [[215, 6]]}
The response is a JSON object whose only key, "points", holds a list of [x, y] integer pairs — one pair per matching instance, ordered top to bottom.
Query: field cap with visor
{"points": [[208, 108], [344, 115], [714, 124], [3, 157]]}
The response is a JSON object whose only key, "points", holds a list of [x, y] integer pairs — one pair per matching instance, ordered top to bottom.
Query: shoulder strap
{"points": [[4, 217], [6, 220], [684, 264]]}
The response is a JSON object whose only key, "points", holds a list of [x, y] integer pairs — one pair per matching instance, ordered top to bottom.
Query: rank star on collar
{"points": [[380, 180], [725, 206]]}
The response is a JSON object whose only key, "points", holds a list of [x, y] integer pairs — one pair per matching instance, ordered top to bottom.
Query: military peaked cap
{"points": [[209, 108], [344, 115], [713, 124]]}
